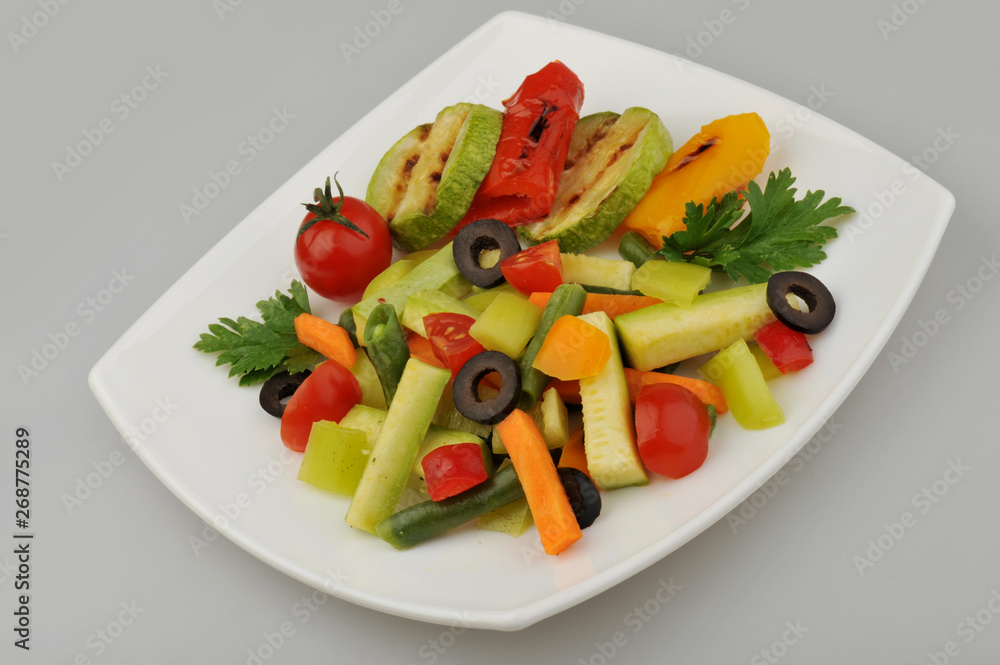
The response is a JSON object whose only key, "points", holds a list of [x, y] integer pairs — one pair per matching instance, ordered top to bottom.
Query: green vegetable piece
{"points": [[779, 233], [635, 248], [596, 271], [395, 272], [436, 272], [672, 282], [481, 298], [567, 299], [422, 303], [346, 321], [507, 324], [659, 335], [387, 348], [257, 351], [767, 367], [735, 371], [372, 393], [447, 415], [365, 418], [552, 418], [397, 444], [612, 453], [335, 457], [512, 519], [425, 520]]}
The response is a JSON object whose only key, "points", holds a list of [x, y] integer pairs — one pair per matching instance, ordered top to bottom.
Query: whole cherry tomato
{"points": [[341, 245], [326, 394], [672, 429]]}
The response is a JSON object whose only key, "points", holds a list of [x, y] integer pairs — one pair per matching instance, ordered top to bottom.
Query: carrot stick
{"points": [[612, 304], [327, 338], [420, 347], [709, 393], [573, 454], [556, 522]]}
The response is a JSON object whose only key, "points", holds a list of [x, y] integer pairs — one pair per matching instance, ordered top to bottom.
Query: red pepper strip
{"points": [[534, 141], [788, 350], [452, 469]]}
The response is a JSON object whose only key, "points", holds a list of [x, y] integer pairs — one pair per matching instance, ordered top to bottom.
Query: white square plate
{"points": [[221, 454]]}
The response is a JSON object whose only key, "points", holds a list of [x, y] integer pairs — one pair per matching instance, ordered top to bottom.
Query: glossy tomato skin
{"points": [[338, 263], [537, 268], [449, 336], [327, 394], [672, 429]]}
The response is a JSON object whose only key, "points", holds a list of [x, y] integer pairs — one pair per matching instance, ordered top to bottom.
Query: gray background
{"points": [[742, 585]]}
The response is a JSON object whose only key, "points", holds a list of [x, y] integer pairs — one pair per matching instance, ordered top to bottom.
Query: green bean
{"points": [[387, 348]]}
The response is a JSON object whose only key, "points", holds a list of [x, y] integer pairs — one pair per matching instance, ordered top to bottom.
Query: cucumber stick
{"points": [[596, 271], [659, 335], [396, 446], [612, 454], [430, 518]]}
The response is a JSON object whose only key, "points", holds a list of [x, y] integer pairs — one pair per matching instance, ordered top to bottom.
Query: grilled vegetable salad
{"points": [[474, 379]]}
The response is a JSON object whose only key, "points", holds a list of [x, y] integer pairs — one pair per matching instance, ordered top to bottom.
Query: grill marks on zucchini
{"points": [[435, 149], [407, 153], [611, 163], [595, 174], [425, 183]]}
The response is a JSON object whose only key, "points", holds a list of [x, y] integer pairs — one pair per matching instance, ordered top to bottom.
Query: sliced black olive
{"points": [[476, 238], [813, 292], [278, 387], [465, 390], [583, 496]]}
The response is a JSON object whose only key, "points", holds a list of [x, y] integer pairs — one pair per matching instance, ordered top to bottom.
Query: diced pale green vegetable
{"points": [[507, 325], [735, 371]]}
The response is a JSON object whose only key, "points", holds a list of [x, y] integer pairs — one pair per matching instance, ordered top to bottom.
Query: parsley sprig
{"points": [[778, 233], [257, 351]]}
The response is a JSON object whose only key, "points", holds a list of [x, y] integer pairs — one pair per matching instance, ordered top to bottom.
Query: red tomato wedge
{"points": [[538, 125], [537, 268], [450, 339], [327, 394], [450, 470]]}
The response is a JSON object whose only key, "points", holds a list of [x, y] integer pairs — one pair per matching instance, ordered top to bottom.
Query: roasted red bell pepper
{"points": [[534, 141], [788, 350], [450, 470]]}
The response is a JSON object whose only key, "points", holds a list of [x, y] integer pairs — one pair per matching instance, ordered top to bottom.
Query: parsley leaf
{"points": [[778, 233], [257, 351]]}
